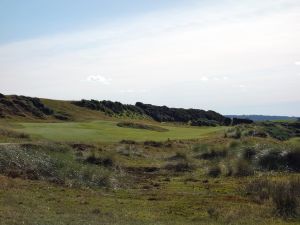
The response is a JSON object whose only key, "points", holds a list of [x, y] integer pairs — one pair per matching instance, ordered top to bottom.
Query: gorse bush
{"points": [[279, 159]]}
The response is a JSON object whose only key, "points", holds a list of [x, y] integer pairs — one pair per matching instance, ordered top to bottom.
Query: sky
{"points": [[234, 57]]}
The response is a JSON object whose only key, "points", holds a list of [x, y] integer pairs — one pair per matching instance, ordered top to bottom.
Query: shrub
{"points": [[141, 126], [13, 134], [129, 142], [153, 144], [200, 148], [248, 153], [213, 154], [179, 156], [103, 160], [271, 160], [293, 160], [20, 161], [51, 162], [181, 165], [242, 168], [214, 171], [258, 189], [284, 194], [285, 199]]}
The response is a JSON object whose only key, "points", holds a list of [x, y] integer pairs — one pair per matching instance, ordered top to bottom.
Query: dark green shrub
{"points": [[129, 142], [153, 144], [248, 153], [213, 154], [103, 160], [272, 160], [293, 160], [214, 171]]}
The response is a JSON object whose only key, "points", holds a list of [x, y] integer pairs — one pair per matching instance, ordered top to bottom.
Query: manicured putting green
{"points": [[108, 131]]}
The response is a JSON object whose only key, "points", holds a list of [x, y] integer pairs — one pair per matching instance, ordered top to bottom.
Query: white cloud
{"points": [[297, 63], [99, 78], [204, 78]]}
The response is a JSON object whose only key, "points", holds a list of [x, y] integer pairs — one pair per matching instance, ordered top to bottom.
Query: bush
{"points": [[141, 126], [13, 134], [129, 142], [153, 144], [200, 148], [248, 153], [213, 154], [178, 156], [280, 159], [103, 160], [272, 160], [293, 160], [17, 161], [53, 163], [179, 167], [242, 168], [214, 171], [258, 189], [284, 194], [285, 199]]}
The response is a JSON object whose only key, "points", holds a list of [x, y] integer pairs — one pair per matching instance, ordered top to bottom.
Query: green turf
{"points": [[108, 131]]}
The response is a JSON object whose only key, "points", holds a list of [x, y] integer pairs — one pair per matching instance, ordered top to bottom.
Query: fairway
{"points": [[108, 131]]}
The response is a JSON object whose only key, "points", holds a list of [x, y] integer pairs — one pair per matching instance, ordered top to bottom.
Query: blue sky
{"points": [[31, 18], [234, 57]]}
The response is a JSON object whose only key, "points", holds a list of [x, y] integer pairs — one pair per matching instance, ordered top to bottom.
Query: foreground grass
{"points": [[108, 131], [147, 183], [172, 202]]}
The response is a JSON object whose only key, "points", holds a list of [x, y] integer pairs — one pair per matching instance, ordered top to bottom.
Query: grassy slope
{"points": [[77, 113], [108, 131]]}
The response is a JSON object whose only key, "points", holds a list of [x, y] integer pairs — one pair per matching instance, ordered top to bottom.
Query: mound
{"points": [[141, 126]]}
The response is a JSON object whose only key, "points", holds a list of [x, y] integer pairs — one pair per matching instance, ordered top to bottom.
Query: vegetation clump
{"points": [[23, 106], [141, 126], [13, 134], [213, 153], [53, 163], [214, 171], [284, 194]]}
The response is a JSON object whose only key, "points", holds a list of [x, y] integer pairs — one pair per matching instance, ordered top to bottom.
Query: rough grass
{"points": [[52, 162], [150, 182]]}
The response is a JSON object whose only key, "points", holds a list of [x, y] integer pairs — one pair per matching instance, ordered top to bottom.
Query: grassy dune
{"points": [[108, 131]]}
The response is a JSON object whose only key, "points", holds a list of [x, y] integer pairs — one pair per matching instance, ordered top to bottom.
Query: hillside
{"points": [[35, 109], [195, 117]]}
